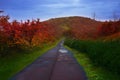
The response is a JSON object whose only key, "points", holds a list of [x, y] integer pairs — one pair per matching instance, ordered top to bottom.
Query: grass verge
{"points": [[105, 54], [12, 64], [93, 72]]}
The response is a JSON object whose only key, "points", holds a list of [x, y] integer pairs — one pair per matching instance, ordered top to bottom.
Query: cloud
{"points": [[76, 2], [64, 4], [61, 5], [22, 9]]}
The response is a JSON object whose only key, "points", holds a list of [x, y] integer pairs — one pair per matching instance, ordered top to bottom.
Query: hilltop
{"points": [[80, 27], [85, 28]]}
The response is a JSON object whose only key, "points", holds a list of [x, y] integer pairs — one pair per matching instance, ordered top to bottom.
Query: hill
{"points": [[76, 26]]}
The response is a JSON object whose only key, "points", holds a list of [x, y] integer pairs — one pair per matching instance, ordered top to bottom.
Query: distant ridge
{"points": [[80, 27], [86, 27]]}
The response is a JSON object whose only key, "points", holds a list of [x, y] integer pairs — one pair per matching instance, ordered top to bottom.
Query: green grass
{"points": [[105, 54], [13, 63], [93, 72]]}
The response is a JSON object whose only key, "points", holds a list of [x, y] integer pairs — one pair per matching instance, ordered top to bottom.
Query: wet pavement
{"points": [[56, 64]]}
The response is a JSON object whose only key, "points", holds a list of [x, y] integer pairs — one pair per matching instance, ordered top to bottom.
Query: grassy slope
{"points": [[10, 65], [93, 72]]}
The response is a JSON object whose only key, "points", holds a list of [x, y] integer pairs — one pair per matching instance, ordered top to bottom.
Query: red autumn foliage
{"points": [[76, 26], [109, 28], [28, 33], [34, 33]]}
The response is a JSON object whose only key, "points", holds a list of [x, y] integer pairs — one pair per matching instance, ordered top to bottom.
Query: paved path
{"points": [[56, 64]]}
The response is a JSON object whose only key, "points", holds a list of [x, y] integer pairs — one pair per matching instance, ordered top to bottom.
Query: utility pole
{"points": [[94, 15], [115, 16]]}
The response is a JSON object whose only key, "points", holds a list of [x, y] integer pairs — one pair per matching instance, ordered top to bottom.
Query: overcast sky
{"points": [[45, 9]]}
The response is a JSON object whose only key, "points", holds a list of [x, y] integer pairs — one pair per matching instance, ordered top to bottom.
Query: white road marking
{"points": [[63, 51]]}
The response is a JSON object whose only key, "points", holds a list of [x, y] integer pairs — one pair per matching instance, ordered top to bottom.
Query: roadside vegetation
{"points": [[22, 42], [105, 55], [16, 61], [93, 72]]}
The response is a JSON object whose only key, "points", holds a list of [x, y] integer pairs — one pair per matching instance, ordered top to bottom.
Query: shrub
{"points": [[105, 54]]}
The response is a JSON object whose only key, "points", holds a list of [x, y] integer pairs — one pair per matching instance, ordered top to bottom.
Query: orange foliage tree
{"points": [[108, 28], [24, 34]]}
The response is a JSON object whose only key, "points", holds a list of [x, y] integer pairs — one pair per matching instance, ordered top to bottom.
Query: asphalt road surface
{"points": [[56, 64]]}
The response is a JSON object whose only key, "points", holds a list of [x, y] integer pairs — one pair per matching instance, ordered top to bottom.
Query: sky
{"points": [[46, 9]]}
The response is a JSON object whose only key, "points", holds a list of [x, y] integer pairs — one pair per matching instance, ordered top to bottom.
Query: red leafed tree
{"points": [[3, 23], [108, 28], [28, 30], [28, 34]]}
